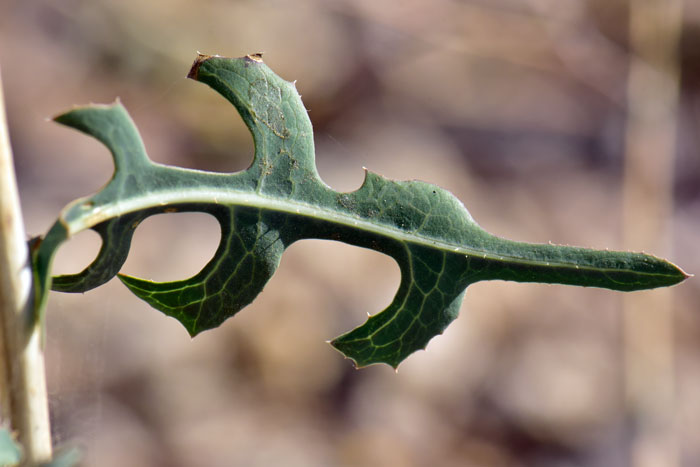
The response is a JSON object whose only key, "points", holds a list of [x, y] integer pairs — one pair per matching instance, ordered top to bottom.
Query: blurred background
{"points": [[570, 121]]}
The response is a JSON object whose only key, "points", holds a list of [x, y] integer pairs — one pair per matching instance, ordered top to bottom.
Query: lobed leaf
{"points": [[280, 199]]}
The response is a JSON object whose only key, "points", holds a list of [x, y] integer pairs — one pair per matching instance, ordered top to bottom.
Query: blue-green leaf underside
{"points": [[280, 199], [10, 451]]}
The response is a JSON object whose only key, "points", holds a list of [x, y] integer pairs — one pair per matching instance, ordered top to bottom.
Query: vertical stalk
{"points": [[652, 99], [23, 392]]}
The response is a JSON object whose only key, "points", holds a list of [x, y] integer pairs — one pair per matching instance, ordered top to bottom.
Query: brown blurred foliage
{"points": [[516, 106]]}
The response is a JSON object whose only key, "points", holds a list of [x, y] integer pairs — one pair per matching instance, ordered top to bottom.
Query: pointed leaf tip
{"points": [[256, 57], [201, 58], [194, 70]]}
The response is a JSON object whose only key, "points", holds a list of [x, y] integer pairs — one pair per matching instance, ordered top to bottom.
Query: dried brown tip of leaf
{"points": [[256, 57], [201, 58]]}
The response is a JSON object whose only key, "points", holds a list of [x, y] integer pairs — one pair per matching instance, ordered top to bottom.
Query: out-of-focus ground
{"points": [[516, 106]]}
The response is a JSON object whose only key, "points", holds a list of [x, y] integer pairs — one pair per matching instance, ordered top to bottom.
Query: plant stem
{"points": [[23, 381]]}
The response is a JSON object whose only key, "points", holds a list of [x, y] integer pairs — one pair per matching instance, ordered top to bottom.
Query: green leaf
{"points": [[280, 199], [10, 451]]}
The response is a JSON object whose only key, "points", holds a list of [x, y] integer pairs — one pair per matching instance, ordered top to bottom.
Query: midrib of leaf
{"points": [[196, 196]]}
